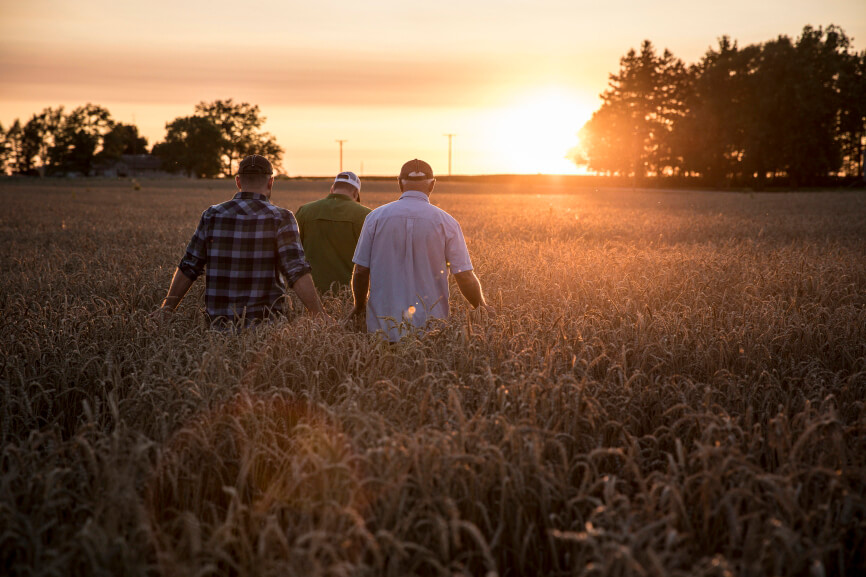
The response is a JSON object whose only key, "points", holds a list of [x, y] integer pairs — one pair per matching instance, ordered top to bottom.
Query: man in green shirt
{"points": [[329, 230]]}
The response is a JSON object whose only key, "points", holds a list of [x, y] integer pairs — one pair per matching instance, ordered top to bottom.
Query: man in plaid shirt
{"points": [[249, 250]]}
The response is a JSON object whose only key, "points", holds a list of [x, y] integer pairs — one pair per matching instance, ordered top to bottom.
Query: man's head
{"points": [[255, 174], [417, 175], [348, 184]]}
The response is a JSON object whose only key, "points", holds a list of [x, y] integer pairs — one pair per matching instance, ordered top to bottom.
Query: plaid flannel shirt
{"points": [[250, 251]]}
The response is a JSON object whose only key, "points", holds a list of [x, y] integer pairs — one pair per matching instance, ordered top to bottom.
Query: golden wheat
{"points": [[674, 385]]}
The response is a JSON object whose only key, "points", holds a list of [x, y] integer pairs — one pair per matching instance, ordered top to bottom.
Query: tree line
{"points": [[785, 109], [208, 143]]}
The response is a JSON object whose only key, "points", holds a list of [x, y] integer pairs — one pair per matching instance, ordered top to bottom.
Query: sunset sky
{"points": [[513, 79]]}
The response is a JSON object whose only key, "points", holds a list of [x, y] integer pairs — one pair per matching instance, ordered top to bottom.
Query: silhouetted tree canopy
{"points": [[791, 107], [852, 112], [240, 126], [629, 133], [77, 137], [122, 139], [37, 141], [54, 142], [12, 143], [209, 143], [192, 145], [4, 148]]}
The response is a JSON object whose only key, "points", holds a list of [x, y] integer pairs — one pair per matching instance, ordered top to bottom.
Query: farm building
{"points": [[132, 165]]}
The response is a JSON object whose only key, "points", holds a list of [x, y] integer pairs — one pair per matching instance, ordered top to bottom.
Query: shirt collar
{"points": [[417, 194], [251, 196], [340, 196]]}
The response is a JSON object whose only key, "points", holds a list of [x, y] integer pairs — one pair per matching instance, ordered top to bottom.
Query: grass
{"points": [[674, 385]]}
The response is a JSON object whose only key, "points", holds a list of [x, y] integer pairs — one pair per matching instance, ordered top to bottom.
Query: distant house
{"points": [[132, 165]]}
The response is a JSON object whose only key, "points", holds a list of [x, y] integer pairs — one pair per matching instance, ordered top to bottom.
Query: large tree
{"points": [[793, 101], [792, 108], [852, 112], [239, 124], [630, 133], [80, 135], [710, 136], [122, 139], [37, 140], [12, 141], [192, 145], [4, 150]]}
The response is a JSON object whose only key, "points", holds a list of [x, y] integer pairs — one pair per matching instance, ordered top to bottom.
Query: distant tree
{"points": [[785, 108], [852, 112], [239, 124], [791, 125], [630, 133], [81, 134], [710, 136], [122, 139], [37, 140], [12, 141], [607, 141], [193, 145], [4, 150]]}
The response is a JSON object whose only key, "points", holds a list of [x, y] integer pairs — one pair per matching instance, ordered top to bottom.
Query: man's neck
{"points": [[265, 193], [427, 194]]}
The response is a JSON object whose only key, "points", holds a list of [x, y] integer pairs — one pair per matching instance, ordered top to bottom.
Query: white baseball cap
{"points": [[349, 177]]}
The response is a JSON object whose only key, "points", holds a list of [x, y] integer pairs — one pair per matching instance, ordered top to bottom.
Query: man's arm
{"points": [[190, 268], [180, 284], [360, 287], [470, 287], [306, 291]]}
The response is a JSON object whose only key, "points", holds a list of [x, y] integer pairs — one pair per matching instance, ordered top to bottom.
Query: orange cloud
{"points": [[287, 77]]}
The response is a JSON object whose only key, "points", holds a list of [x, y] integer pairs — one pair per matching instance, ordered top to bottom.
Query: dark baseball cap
{"points": [[255, 164], [416, 170]]}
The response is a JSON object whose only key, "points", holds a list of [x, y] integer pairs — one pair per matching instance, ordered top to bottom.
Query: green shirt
{"points": [[329, 229]]}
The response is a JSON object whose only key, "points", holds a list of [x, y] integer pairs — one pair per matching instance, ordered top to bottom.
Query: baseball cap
{"points": [[255, 164], [416, 170], [350, 178]]}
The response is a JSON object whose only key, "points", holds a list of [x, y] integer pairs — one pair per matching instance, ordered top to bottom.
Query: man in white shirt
{"points": [[403, 257]]}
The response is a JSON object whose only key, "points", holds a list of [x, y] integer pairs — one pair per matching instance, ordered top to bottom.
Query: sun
{"points": [[535, 132]]}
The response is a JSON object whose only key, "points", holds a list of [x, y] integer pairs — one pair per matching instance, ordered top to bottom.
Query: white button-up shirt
{"points": [[409, 245]]}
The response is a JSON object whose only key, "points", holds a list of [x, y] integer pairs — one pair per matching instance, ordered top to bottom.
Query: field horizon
{"points": [[552, 183], [674, 384]]}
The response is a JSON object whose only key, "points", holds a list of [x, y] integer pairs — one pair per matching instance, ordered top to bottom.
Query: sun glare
{"points": [[535, 134]]}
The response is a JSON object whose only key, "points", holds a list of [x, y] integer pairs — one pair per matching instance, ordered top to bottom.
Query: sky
{"points": [[512, 80]]}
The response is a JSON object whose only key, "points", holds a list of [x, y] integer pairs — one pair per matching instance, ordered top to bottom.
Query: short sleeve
{"points": [[364, 248], [456, 252]]}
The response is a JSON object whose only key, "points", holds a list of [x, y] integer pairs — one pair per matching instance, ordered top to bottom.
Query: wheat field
{"points": [[674, 384]]}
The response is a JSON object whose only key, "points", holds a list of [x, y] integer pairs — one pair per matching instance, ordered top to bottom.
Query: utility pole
{"points": [[450, 136], [341, 154]]}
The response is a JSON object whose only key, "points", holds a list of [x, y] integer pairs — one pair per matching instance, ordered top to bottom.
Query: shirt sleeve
{"points": [[364, 248], [456, 252], [193, 262], [293, 264]]}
